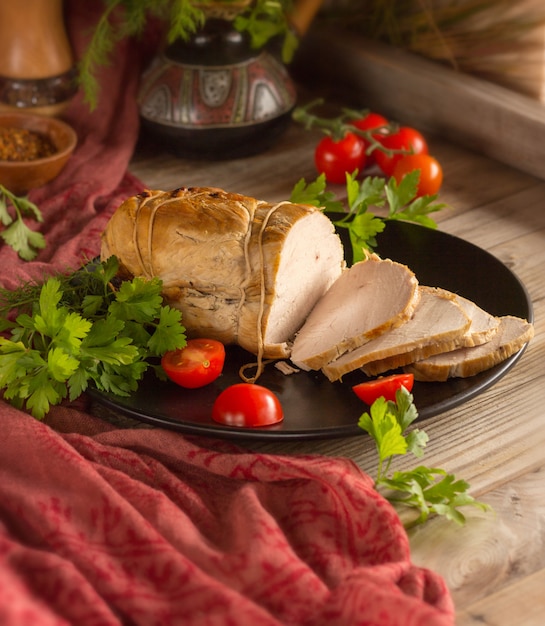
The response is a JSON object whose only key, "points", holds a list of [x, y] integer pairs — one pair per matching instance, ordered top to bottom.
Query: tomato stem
{"points": [[337, 127]]}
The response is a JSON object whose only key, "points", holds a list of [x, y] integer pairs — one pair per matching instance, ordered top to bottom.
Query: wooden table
{"points": [[495, 564]]}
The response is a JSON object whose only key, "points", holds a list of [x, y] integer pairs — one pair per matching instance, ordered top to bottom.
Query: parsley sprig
{"points": [[399, 200], [13, 210], [82, 328], [423, 491]]}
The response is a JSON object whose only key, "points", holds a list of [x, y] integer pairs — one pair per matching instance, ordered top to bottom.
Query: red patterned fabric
{"points": [[101, 526], [137, 526]]}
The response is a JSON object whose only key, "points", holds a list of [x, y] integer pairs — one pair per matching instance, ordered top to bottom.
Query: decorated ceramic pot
{"points": [[215, 97]]}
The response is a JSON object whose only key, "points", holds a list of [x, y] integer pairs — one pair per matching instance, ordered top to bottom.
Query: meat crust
{"points": [[241, 270]]}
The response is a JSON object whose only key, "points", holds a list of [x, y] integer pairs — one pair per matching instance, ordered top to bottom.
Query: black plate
{"points": [[315, 408]]}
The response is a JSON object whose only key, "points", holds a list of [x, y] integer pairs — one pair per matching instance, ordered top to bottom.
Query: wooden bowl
{"points": [[21, 176]]}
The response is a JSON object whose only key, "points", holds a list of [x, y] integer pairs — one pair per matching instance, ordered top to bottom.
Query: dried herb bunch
{"points": [[500, 40]]}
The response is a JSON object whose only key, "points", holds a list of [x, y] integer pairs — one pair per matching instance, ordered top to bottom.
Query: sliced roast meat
{"points": [[242, 271], [272, 279], [368, 299], [439, 323], [483, 324], [512, 334]]}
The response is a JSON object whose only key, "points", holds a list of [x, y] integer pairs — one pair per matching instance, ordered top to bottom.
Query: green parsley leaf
{"points": [[316, 194], [360, 196], [404, 205], [5, 217], [363, 230], [25, 241], [138, 300], [169, 333], [105, 345], [10, 367], [120, 380], [43, 392], [384, 428], [431, 491]]}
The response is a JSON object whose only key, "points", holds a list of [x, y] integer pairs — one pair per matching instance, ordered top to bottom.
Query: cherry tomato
{"points": [[370, 122], [405, 138], [336, 158], [431, 173], [196, 365], [385, 386], [247, 405]]}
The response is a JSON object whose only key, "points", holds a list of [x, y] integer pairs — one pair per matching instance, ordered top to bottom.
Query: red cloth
{"points": [[101, 526], [138, 526]]}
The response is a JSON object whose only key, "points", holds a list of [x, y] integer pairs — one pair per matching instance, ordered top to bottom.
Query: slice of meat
{"points": [[241, 270], [370, 298], [439, 323], [483, 324], [512, 334]]}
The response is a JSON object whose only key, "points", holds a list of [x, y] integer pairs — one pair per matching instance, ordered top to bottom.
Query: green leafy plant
{"points": [[262, 20], [265, 20], [400, 201], [13, 209], [78, 328], [423, 491]]}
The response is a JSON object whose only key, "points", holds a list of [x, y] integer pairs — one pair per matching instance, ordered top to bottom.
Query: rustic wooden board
{"points": [[487, 118]]}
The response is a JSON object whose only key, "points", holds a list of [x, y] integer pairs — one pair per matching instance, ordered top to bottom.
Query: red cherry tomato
{"points": [[370, 122], [405, 138], [336, 158], [431, 172], [196, 365], [384, 386], [247, 405]]}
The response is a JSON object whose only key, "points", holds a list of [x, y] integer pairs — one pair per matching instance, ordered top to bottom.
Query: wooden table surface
{"points": [[495, 564]]}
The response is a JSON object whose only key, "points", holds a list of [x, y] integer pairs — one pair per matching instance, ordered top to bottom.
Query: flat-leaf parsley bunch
{"points": [[80, 328], [424, 490]]}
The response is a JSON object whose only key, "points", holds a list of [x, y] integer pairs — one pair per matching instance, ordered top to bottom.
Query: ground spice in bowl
{"points": [[22, 144], [33, 150]]}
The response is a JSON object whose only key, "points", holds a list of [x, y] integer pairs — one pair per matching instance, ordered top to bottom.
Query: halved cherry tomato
{"points": [[370, 122], [404, 139], [335, 158], [431, 172], [196, 365], [385, 386], [247, 405]]}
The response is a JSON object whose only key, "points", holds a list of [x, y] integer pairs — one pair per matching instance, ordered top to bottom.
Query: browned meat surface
{"points": [[241, 270]]}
